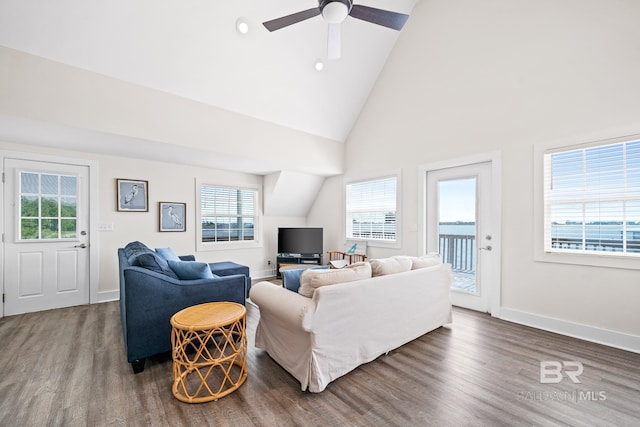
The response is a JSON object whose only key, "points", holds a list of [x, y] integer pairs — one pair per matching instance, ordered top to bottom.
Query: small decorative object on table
{"points": [[132, 195], [173, 216], [209, 351]]}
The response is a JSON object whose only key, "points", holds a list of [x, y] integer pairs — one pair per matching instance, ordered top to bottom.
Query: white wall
{"points": [[470, 77], [328, 212]]}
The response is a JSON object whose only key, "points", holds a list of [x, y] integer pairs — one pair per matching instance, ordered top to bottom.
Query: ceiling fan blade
{"points": [[294, 18], [386, 18], [333, 42]]}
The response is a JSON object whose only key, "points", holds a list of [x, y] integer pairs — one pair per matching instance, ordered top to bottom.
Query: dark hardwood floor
{"points": [[67, 367]]}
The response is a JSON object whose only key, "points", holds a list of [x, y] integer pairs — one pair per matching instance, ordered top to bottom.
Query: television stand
{"points": [[294, 259]]}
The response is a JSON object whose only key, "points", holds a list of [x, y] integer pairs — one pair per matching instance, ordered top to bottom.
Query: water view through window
{"points": [[592, 200], [228, 214], [457, 230]]}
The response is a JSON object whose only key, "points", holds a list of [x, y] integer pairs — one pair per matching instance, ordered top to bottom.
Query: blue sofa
{"points": [[150, 293]]}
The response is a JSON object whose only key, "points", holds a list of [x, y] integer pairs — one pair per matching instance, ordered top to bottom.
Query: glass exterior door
{"points": [[459, 228]]}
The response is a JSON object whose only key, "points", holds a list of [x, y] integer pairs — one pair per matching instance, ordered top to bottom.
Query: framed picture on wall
{"points": [[132, 195], [173, 216]]}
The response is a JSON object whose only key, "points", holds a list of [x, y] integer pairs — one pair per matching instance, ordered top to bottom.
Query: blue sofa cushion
{"points": [[168, 254], [154, 262], [227, 268], [190, 270], [291, 278]]}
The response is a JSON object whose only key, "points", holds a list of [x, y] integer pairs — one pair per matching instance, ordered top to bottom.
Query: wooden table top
{"points": [[208, 316]]}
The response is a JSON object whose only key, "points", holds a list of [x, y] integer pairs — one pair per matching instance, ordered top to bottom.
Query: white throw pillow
{"points": [[428, 260], [384, 266], [313, 279]]}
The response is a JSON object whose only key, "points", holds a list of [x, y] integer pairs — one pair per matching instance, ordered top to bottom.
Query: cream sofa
{"points": [[344, 325]]}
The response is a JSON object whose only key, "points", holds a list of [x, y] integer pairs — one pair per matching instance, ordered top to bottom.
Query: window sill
{"points": [[377, 243], [224, 246], [588, 259]]}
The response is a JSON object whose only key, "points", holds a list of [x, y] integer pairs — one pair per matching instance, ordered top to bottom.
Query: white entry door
{"points": [[46, 219], [460, 228]]}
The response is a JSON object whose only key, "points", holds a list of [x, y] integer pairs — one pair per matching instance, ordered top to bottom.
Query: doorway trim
{"points": [[495, 158], [94, 240]]}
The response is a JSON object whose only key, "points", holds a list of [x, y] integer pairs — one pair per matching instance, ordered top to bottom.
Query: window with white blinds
{"points": [[592, 200], [371, 209], [228, 214]]}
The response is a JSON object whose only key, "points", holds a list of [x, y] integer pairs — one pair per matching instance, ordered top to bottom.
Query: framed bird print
{"points": [[132, 195], [173, 216]]}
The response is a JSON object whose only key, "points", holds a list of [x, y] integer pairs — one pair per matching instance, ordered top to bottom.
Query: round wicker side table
{"points": [[209, 351]]}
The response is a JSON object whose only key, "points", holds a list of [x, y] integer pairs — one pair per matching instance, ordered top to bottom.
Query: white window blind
{"points": [[592, 200], [371, 209], [228, 214]]}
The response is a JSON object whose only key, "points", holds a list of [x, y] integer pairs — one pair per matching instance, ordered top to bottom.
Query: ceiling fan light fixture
{"points": [[336, 11]]}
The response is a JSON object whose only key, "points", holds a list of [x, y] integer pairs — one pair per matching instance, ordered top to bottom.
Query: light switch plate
{"points": [[105, 226]]}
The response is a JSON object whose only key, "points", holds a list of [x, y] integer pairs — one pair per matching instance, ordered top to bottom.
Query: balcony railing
{"points": [[600, 245], [459, 251]]}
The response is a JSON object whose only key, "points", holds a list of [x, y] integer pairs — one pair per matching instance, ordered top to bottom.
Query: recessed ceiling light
{"points": [[242, 26], [319, 65]]}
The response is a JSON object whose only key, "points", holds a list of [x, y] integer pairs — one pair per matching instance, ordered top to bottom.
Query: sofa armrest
{"points": [[275, 301]]}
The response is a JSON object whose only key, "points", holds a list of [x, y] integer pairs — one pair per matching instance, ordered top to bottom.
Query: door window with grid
{"points": [[48, 206]]}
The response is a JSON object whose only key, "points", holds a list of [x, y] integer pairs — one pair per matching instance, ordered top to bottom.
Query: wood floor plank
{"points": [[68, 368]]}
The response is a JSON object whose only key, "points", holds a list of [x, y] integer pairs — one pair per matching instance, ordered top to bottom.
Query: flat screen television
{"points": [[300, 240]]}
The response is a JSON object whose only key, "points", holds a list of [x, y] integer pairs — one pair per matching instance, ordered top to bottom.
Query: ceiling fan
{"points": [[336, 11]]}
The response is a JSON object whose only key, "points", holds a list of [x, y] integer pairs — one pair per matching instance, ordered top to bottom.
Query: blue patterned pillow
{"points": [[154, 262], [191, 270], [291, 278]]}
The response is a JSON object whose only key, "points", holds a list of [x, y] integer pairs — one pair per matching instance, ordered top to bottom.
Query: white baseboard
{"points": [[262, 274], [107, 296], [588, 333]]}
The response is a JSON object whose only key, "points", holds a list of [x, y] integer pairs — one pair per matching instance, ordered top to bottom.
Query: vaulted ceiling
{"points": [[192, 49]]}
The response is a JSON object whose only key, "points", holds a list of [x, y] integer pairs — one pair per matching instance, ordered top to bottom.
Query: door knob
{"points": [[81, 245], [486, 248]]}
